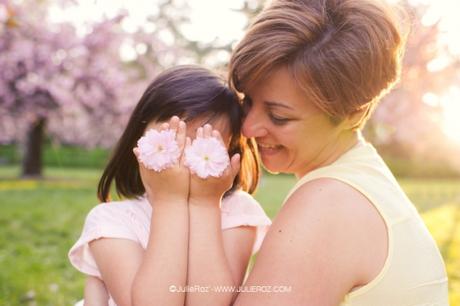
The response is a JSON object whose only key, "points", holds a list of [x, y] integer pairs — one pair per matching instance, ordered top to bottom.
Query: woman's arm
{"points": [[317, 248], [95, 292]]}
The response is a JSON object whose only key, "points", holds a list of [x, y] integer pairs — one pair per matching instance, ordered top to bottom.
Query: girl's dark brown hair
{"points": [[344, 54], [189, 92]]}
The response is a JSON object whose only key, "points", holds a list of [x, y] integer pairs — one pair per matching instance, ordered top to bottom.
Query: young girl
{"points": [[149, 248]]}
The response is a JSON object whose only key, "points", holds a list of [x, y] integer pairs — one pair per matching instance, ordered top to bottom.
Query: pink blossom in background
{"points": [[76, 80], [158, 150], [207, 157]]}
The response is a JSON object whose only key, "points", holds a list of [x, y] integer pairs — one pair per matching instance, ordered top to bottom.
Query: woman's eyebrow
{"points": [[277, 104]]}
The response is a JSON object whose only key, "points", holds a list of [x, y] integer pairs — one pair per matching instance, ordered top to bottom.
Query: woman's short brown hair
{"points": [[344, 54]]}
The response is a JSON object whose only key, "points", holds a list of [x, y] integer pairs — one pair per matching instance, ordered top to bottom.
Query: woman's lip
{"points": [[268, 146], [269, 150]]}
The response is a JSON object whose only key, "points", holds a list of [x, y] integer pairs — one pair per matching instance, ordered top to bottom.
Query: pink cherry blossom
{"points": [[158, 150], [207, 157]]}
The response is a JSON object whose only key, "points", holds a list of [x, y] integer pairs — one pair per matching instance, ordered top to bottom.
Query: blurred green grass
{"points": [[55, 155], [72, 156], [41, 219]]}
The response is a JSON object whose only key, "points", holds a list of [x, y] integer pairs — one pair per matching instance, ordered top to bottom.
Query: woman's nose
{"points": [[253, 125]]}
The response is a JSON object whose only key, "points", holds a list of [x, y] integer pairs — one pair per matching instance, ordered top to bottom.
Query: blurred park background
{"points": [[71, 71]]}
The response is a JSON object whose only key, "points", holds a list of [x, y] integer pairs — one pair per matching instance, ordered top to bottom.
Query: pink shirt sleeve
{"points": [[241, 209], [107, 220], [130, 220]]}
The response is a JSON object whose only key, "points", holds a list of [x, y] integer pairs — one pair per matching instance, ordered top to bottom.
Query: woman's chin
{"points": [[273, 160], [272, 169]]}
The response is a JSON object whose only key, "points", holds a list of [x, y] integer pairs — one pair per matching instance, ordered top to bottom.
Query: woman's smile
{"points": [[268, 149]]}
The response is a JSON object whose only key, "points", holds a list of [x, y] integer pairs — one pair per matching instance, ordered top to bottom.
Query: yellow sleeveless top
{"points": [[414, 272]]}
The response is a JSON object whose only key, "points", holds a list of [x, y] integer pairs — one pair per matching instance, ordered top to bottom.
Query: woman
{"points": [[311, 73]]}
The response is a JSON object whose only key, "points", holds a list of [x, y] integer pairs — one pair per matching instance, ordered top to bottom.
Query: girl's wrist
{"points": [[167, 200], [213, 202], [205, 210]]}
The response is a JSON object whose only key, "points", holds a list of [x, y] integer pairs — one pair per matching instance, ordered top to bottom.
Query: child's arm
{"points": [[216, 260], [137, 277], [95, 292]]}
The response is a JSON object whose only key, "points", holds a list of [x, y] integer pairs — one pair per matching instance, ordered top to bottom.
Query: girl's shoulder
{"points": [[241, 202], [241, 209], [114, 210], [117, 219]]}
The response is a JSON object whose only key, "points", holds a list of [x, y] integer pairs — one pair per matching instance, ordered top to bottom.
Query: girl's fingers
{"points": [[174, 123], [164, 126], [207, 130], [199, 132], [181, 134], [216, 134], [188, 143], [136, 152], [235, 164], [141, 165], [233, 168]]}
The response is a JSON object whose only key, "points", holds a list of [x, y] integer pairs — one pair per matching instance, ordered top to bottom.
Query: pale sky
{"points": [[215, 18], [208, 19]]}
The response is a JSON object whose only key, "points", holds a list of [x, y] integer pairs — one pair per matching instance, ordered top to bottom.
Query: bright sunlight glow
{"points": [[450, 103]]}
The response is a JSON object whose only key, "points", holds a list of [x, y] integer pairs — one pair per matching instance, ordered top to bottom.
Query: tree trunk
{"points": [[32, 154]]}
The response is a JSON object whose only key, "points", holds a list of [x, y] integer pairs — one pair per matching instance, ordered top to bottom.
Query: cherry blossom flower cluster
{"points": [[77, 81], [158, 150], [205, 157]]}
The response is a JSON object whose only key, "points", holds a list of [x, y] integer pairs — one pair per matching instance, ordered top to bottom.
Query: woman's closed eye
{"points": [[278, 120]]}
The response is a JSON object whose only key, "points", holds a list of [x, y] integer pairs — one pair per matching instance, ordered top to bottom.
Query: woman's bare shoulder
{"points": [[316, 244]]}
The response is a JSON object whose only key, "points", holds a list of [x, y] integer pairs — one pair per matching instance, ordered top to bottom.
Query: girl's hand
{"points": [[171, 184], [211, 189]]}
